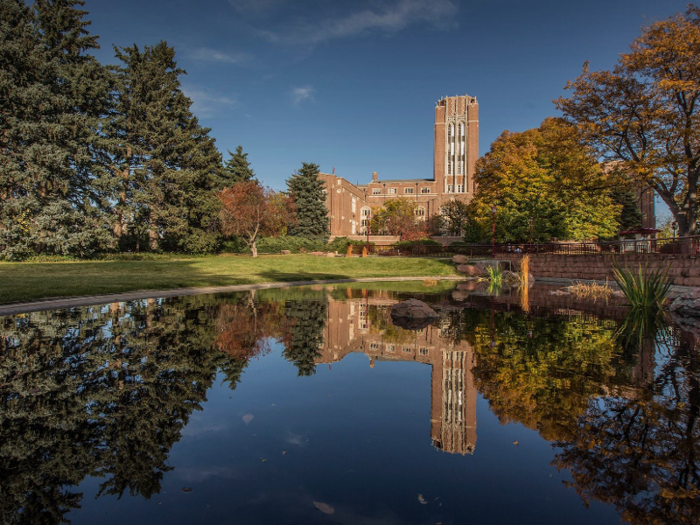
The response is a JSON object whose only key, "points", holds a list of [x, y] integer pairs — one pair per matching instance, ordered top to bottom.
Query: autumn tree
{"points": [[645, 112], [549, 175], [306, 190], [249, 210], [399, 217]]}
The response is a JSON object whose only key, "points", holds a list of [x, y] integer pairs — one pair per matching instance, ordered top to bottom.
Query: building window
{"points": [[461, 129], [449, 165], [460, 167], [450, 188], [460, 188], [408, 190], [425, 190], [376, 191], [392, 191], [354, 204], [366, 211], [420, 211], [374, 346], [390, 349], [408, 350], [423, 351]]}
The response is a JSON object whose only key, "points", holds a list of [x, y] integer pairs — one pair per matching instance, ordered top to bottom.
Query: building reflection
{"points": [[363, 325]]}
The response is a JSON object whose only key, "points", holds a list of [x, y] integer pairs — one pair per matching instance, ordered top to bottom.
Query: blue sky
{"points": [[353, 84]]}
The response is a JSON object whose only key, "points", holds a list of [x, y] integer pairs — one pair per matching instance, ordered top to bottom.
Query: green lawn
{"points": [[35, 280]]}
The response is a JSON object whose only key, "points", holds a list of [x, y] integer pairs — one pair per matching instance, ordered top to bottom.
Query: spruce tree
{"points": [[50, 110], [167, 163], [236, 169], [306, 190]]}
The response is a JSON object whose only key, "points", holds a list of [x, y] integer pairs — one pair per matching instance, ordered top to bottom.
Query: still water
{"points": [[307, 405]]}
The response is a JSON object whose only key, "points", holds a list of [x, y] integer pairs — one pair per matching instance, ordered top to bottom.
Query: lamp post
{"points": [[493, 237]]}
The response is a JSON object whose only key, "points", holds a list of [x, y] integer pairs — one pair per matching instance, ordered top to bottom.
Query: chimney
{"points": [[374, 176]]}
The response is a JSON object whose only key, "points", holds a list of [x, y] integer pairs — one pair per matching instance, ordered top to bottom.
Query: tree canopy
{"points": [[645, 112], [236, 169], [549, 175], [399, 217]]}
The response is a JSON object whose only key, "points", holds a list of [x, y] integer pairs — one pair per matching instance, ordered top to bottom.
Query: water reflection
{"points": [[106, 392]]}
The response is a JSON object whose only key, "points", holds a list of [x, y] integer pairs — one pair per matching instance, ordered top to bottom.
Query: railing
{"points": [[677, 246]]}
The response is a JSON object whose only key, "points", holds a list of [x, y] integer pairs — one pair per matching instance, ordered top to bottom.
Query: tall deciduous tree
{"points": [[53, 100], [646, 112], [166, 161], [236, 169], [547, 174], [306, 191], [248, 210], [398, 217]]}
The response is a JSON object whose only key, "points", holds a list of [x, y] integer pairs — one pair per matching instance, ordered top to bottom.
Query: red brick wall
{"points": [[684, 269]]}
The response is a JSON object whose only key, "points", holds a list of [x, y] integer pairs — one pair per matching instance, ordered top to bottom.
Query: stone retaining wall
{"points": [[684, 269]]}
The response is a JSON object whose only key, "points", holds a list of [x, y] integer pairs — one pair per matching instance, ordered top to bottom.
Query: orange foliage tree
{"points": [[249, 210]]}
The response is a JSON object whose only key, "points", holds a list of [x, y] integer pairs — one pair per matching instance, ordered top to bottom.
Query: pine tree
{"points": [[51, 100], [167, 163], [236, 169], [306, 190], [303, 337]]}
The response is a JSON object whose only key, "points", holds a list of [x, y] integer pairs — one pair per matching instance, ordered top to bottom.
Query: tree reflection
{"points": [[106, 392], [643, 455]]}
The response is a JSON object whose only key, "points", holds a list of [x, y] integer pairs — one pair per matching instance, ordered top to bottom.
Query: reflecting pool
{"points": [[308, 405]]}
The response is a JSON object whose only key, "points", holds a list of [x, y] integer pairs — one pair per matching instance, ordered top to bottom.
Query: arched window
{"points": [[365, 211], [420, 211]]}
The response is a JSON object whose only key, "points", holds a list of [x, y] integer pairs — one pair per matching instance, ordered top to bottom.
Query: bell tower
{"points": [[456, 144]]}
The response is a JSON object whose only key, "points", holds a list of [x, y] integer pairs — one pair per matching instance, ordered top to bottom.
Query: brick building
{"points": [[455, 154]]}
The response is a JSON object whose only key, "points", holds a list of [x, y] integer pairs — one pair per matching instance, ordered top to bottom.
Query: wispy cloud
{"points": [[396, 16], [206, 54], [303, 93], [206, 103]]}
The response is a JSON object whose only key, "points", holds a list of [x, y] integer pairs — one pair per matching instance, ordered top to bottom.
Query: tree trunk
{"points": [[254, 248]]}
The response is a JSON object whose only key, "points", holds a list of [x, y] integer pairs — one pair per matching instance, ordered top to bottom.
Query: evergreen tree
{"points": [[52, 99], [167, 163], [236, 169], [306, 190], [630, 214], [303, 337]]}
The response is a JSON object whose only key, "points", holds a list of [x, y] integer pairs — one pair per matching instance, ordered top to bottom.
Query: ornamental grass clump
{"points": [[495, 275], [644, 289]]}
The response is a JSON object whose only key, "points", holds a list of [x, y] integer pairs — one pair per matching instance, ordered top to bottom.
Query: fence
{"points": [[689, 246]]}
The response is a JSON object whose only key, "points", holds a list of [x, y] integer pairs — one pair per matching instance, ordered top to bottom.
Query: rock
{"points": [[285, 252], [317, 253], [329, 254], [460, 259], [473, 270], [530, 278], [471, 286], [559, 292], [460, 295], [687, 305], [412, 314]]}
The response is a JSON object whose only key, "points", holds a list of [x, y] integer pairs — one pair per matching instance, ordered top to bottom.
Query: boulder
{"points": [[285, 252], [317, 253], [460, 259], [472, 270], [460, 295], [687, 305], [412, 314]]}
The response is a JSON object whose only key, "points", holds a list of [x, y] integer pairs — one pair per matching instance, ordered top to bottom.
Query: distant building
{"points": [[456, 151]]}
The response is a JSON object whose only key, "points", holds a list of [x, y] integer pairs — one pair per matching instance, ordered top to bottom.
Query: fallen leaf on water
{"points": [[247, 419], [516, 443], [284, 452], [263, 460], [186, 489], [421, 499], [324, 507]]}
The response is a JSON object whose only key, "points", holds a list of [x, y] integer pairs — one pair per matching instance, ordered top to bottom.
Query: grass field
{"points": [[28, 281]]}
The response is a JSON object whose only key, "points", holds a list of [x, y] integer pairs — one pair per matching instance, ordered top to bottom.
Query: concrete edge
{"points": [[90, 300]]}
